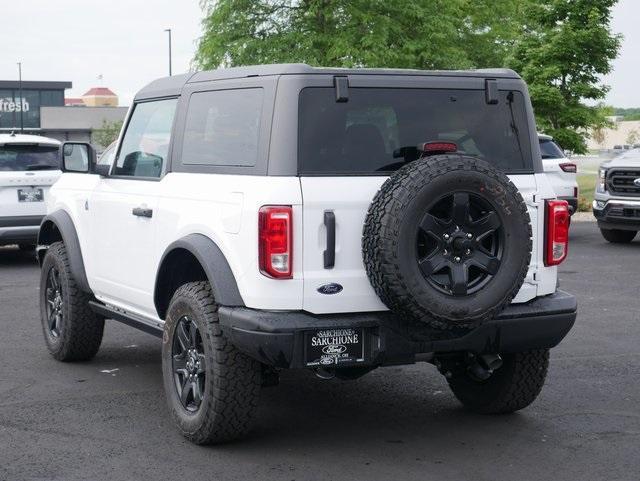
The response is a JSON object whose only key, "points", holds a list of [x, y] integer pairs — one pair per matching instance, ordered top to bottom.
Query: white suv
{"points": [[29, 165], [561, 172], [273, 217]]}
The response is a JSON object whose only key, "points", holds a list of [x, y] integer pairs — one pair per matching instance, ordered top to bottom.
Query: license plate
{"points": [[30, 195], [334, 347]]}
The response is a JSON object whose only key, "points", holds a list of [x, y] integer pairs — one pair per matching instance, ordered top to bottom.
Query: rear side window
{"points": [[223, 128], [377, 130], [550, 150], [29, 157]]}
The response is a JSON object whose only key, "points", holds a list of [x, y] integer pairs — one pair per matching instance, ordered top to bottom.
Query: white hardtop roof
{"points": [[27, 139]]}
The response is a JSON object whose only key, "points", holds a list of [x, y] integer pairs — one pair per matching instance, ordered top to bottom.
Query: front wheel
{"points": [[617, 236], [72, 331], [212, 388], [510, 388]]}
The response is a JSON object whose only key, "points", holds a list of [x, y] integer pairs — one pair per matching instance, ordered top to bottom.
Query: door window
{"points": [[145, 145]]}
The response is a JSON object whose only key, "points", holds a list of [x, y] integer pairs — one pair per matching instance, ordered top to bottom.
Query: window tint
{"points": [[223, 128], [378, 129], [145, 145], [550, 150], [29, 157]]}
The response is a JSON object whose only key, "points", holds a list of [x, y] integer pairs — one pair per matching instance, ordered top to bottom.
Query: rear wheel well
{"points": [[49, 233], [178, 267]]}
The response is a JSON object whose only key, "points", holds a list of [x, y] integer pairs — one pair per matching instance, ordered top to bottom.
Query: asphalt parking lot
{"points": [[107, 419]]}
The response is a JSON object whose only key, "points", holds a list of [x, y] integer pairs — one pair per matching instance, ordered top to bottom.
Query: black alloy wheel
{"points": [[460, 243], [55, 303], [189, 364]]}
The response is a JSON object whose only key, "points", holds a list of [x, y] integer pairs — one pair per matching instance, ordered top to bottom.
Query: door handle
{"points": [[142, 212], [329, 254]]}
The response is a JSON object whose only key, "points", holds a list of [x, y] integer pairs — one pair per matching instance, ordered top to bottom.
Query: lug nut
{"points": [[469, 235], [446, 236], [468, 251], [445, 252], [457, 259]]}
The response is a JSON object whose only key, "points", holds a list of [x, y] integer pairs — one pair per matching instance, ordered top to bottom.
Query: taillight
{"points": [[569, 167], [557, 232], [275, 239]]}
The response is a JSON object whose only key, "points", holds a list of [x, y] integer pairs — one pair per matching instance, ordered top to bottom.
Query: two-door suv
{"points": [[283, 216]]}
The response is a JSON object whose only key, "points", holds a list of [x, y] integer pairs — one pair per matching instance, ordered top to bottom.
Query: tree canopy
{"points": [[566, 46], [560, 47]]}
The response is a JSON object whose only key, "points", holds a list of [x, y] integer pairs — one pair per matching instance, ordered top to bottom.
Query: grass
{"points": [[586, 188]]}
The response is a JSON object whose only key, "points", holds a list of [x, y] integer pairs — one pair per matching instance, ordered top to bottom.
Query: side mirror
{"points": [[77, 157]]}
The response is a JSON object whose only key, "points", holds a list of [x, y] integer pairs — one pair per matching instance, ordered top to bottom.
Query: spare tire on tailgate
{"points": [[447, 241]]}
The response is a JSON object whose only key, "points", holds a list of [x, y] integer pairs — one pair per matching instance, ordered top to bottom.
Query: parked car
{"points": [[29, 165], [561, 172], [616, 203], [338, 220]]}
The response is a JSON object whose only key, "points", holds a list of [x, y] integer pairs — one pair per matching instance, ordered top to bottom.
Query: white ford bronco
{"points": [[273, 217]]}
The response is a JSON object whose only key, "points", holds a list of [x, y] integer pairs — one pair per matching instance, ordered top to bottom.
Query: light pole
{"points": [[168, 30], [20, 99]]}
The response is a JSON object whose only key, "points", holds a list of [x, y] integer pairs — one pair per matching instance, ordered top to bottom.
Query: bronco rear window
{"points": [[377, 130]]}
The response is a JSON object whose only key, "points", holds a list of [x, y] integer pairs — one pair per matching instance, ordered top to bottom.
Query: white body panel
{"points": [[11, 181], [563, 183], [349, 199], [122, 252]]}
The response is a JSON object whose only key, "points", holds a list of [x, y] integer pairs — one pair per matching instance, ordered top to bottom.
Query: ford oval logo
{"points": [[636, 182], [330, 289], [334, 349]]}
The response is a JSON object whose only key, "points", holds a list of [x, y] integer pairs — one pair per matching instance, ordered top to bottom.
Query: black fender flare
{"points": [[63, 223], [215, 265]]}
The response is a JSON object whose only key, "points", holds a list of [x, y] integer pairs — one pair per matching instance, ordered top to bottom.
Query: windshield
{"points": [[378, 129], [550, 150], [29, 157]]}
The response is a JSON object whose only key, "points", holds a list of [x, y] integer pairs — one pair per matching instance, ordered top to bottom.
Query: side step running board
{"points": [[147, 325]]}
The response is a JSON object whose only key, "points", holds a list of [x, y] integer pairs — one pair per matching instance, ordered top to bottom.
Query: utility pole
{"points": [[168, 30], [20, 99]]}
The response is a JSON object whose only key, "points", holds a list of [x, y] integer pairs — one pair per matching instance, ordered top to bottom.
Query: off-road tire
{"points": [[617, 236], [401, 286], [82, 329], [232, 379], [510, 388]]}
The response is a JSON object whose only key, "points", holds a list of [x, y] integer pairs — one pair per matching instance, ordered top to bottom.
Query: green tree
{"points": [[337, 33], [565, 47], [108, 133]]}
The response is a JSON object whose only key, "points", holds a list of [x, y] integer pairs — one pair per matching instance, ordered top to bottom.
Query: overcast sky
{"points": [[124, 41]]}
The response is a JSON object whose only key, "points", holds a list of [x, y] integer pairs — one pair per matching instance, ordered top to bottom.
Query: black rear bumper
{"points": [[277, 338]]}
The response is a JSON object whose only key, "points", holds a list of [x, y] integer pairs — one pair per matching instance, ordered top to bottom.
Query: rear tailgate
{"points": [[24, 193], [347, 199]]}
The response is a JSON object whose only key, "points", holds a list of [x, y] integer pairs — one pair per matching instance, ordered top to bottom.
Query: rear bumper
{"points": [[19, 229], [278, 338]]}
